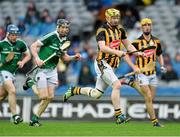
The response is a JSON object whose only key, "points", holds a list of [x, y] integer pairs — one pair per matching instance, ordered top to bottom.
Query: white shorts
{"points": [[6, 75], [105, 75], [46, 77], [147, 80]]}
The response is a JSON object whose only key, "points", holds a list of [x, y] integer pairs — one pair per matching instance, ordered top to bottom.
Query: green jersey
{"points": [[51, 43], [5, 48]]}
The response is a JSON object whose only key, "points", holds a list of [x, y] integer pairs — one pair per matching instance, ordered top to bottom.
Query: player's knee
{"points": [[116, 85], [12, 92], [95, 93], [148, 97]]}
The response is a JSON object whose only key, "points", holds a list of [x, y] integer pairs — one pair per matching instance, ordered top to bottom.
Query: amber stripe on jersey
{"points": [[110, 36], [141, 61]]}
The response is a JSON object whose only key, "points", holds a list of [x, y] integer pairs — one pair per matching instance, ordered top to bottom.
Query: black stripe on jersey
{"points": [[109, 34], [112, 37], [139, 44], [144, 45]]}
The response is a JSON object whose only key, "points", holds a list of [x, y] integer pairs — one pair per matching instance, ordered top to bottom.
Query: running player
{"points": [[110, 38], [14, 54], [45, 78], [147, 82]]}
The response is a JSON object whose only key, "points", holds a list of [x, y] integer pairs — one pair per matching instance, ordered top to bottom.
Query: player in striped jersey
{"points": [[110, 38], [146, 83]]}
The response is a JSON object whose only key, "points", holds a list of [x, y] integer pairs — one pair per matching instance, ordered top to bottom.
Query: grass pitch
{"points": [[75, 128]]}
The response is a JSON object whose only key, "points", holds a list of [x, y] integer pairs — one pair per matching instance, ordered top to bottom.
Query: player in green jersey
{"points": [[13, 55], [45, 78]]}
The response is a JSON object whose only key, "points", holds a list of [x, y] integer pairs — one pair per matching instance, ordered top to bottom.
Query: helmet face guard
{"points": [[112, 16], [63, 22], [63, 27], [13, 29], [12, 33]]}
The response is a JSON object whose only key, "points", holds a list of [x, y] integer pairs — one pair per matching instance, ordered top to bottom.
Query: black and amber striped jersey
{"points": [[112, 37], [152, 54]]}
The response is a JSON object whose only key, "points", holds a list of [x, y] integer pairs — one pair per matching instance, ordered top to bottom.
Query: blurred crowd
{"points": [[36, 24]]}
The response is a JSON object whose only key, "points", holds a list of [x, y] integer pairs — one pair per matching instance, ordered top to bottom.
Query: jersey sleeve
{"points": [[123, 33], [100, 35], [45, 40], [135, 44], [24, 48], [159, 49]]}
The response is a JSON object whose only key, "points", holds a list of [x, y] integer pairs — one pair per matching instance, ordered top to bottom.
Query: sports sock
{"points": [[30, 83], [76, 90], [118, 112], [35, 118], [154, 120]]}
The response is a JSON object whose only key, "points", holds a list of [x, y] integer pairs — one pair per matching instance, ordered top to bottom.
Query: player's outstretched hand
{"points": [[77, 56]]}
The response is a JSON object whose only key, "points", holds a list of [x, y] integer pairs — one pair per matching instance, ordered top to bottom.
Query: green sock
{"points": [[30, 83], [35, 118]]}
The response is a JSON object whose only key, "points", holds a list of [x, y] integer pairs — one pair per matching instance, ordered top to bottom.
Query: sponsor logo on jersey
{"points": [[115, 44], [149, 53]]}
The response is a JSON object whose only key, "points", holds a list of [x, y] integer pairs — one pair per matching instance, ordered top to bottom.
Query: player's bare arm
{"points": [[130, 47], [34, 50], [109, 50], [66, 57], [26, 58], [161, 62], [130, 63]]}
